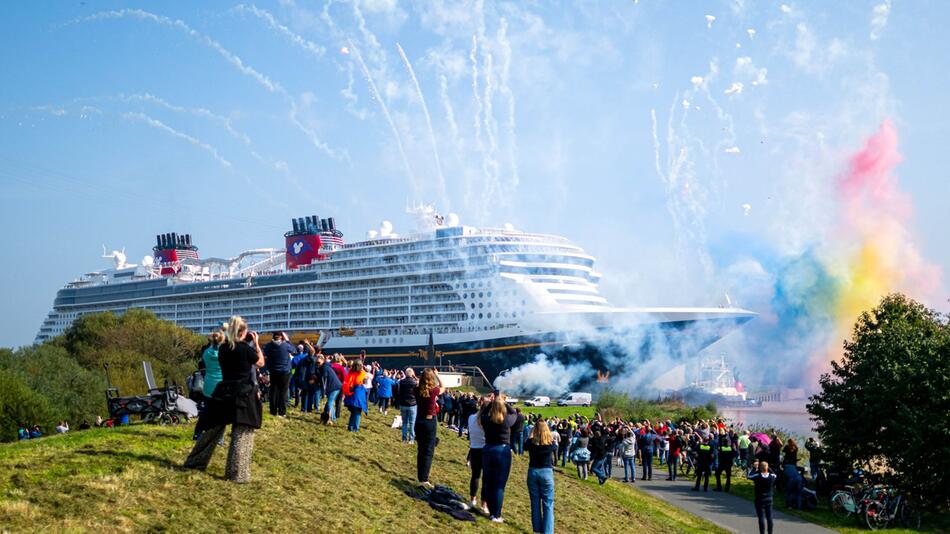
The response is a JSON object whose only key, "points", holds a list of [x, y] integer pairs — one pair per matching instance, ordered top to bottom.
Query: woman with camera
{"points": [[235, 401]]}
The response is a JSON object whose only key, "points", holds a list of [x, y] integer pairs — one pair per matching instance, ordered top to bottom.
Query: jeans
{"points": [[278, 393], [307, 397], [331, 404], [408, 414], [355, 415], [426, 437], [517, 444], [562, 450], [475, 461], [647, 461], [672, 464], [609, 465], [496, 466], [598, 469], [629, 469], [793, 488], [541, 492], [763, 510]]}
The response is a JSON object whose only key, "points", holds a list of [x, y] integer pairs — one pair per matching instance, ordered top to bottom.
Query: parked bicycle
{"points": [[889, 505]]}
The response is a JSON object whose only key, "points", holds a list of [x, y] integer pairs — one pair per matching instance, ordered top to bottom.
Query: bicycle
{"points": [[890, 505]]}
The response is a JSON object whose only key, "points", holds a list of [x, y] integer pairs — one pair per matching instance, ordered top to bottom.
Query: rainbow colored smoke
{"points": [[809, 301]]}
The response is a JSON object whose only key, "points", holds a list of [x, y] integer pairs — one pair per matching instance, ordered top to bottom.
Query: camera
{"points": [[249, 338]]}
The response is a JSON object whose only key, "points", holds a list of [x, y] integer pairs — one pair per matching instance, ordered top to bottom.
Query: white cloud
{"points": [[785, 8], [879, 16], [709, 20], [751, 32], [696, 81], [734, 89], [732, 150]]}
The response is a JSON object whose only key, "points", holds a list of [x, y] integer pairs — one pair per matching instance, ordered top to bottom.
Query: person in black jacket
{"points": [[406, 393], [235, 401], [496, 419], [517, 434], [727, 454], [598, 455], [704, 458], [764, 482]]}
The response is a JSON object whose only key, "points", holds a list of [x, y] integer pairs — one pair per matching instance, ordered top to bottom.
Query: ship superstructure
{"points": [[489, 297]]}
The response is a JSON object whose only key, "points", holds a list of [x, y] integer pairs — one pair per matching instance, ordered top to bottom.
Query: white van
{"points": [[575, 399], [538, 401]]}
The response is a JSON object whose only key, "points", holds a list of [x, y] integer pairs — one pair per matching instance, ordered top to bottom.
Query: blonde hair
{"points": [[233, 333], [426, 382], [496, 410], [541, 435]]}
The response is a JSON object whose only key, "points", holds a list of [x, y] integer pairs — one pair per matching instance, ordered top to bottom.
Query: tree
{"points": [[124, 341], [886, 403], [21, 406]]}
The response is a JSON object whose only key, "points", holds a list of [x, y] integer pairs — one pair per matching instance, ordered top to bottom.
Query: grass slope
{"points": [[306, 478]]}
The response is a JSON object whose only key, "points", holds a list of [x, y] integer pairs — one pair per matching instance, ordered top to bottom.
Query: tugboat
{"points": [[717, 383]]}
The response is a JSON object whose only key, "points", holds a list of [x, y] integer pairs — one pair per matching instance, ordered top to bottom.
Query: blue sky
{"points": [[664, 142]]}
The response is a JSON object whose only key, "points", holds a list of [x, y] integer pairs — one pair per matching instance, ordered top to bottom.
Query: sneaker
{"points": [[427, 485], [475, 502], [485, 509], [497, 520]]}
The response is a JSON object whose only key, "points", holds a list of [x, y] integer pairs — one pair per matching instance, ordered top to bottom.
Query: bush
{"points": [[124, 341], [73, 392], [613, 404], [21, 406]]}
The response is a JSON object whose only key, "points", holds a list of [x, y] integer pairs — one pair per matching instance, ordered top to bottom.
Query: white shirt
{"points": [[475, 433]]}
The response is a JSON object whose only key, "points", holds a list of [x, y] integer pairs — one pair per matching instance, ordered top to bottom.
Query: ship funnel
{"points": [[331, 223], [296, 226], [158, 240]]}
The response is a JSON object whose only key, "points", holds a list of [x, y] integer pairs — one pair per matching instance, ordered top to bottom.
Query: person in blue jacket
{"points": [[384, 392]]}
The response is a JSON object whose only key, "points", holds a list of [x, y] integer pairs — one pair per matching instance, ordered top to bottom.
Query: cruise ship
{"points": [[491, 298]]}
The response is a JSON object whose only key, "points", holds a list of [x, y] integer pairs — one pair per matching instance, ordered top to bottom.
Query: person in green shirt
{"points": [[212, 367], [743, 444]]}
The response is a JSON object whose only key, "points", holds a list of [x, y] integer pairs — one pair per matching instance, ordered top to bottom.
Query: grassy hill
{"points": [[306, 478]]}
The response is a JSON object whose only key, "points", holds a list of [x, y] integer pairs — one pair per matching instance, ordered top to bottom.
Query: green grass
{"points": [[558, 411], [306, 477]]}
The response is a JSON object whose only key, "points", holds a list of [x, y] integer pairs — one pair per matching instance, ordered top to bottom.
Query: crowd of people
{"points": [[239, 374]]}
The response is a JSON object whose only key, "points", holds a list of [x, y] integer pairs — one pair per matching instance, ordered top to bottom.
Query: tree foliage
{"points": [[124, 341], [63, 379], [886, 404], [21, 406]]}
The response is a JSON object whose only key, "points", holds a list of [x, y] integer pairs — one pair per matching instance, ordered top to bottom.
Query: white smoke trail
{"points": [[315, 49], [231, 58], [505, 88], [350, 96], [196, 111], [425, 111], [450, 114], [389, 119], [155, 123], [490, 164], [471, 188], [543, 376]]}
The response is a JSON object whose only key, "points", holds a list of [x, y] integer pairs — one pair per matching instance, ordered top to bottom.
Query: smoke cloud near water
{"points": [[807, 299]]}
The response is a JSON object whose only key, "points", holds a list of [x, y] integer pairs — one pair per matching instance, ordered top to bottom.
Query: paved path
{"points": [[730, 512]]}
